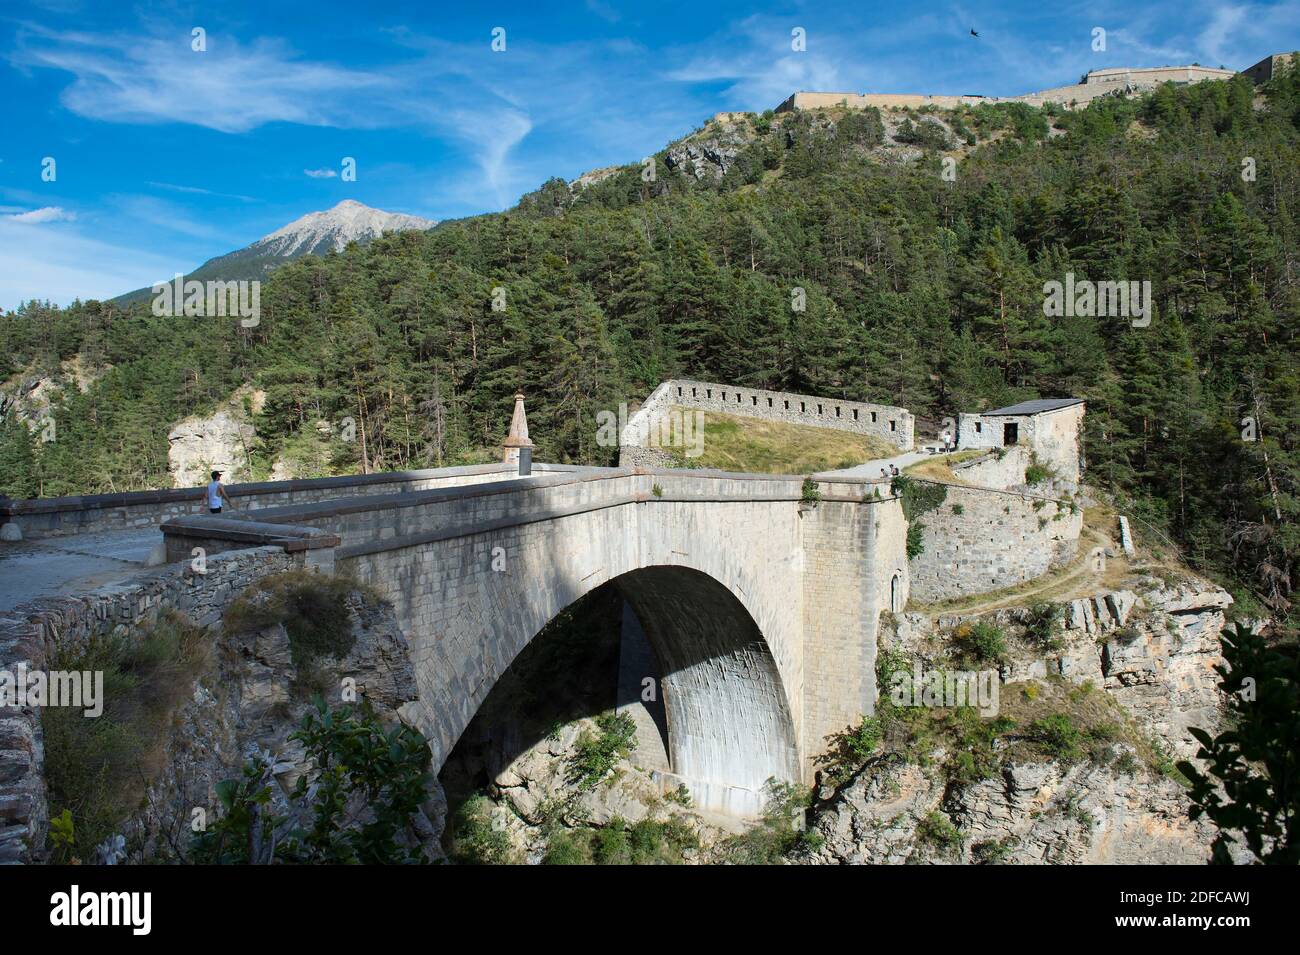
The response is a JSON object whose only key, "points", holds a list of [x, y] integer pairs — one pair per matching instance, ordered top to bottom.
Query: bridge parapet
{"points": [[45, 517]]}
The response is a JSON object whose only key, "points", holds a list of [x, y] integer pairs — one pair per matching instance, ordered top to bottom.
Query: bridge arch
{"points": [[727, 629], [728, 712]]}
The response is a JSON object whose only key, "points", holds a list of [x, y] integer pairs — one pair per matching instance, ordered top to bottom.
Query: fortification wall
{"points": [[1095, 84], [894, 424], [979, 540], [30, 635]]}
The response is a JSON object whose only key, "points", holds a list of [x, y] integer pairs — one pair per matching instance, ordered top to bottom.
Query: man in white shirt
{"points": [[217, 494]]}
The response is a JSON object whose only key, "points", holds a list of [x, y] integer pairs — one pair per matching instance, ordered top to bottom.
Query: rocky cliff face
{"points": [[201, 444], [1146, 654], [250, 702], [895, 812]]}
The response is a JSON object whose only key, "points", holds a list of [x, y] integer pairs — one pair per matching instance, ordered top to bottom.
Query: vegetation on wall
{"points": [[97, 768]]}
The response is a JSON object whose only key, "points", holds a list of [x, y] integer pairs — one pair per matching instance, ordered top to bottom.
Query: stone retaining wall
{"points": [[999, 468], [999, 539], [31, 633]]}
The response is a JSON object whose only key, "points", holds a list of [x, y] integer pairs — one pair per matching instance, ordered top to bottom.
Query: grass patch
{"points": [[734, 443], [940, 469], [97, 769]]}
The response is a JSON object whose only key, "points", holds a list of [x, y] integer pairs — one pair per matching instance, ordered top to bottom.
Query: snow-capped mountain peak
{"points": [[331, 230]]}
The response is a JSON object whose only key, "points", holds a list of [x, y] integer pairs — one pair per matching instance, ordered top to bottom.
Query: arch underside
{"points": [[728, 717]]}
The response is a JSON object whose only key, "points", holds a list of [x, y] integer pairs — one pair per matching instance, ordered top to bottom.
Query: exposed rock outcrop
{"points": [[706, 156], [221, 441], [1153, 649], [250, 703], [1033, 813]]}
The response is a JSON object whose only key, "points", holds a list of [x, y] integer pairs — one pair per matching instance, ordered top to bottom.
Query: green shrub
{"points": [[1037, 472], [811, 494], [915, 540], [312, 607], [1043, 622], [987, 642], [1063, 739], [848, 752], [597, 753], [354, 759], [97, 768], [937, 831], [567, 847], [993, 851]]}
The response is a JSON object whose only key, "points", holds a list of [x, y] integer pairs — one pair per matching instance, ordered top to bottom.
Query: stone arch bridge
{"points": [[761, 608]]}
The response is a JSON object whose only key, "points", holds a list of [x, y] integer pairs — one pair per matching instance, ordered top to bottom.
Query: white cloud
{"points": [[230, 87], [320, 173], [43, 214], [61, 265]]}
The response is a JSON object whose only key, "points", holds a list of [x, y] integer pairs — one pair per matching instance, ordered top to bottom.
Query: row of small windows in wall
{"points": [[803, 406]]}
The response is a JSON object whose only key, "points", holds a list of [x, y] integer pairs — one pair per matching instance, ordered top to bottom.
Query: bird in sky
{"points": [[973, 33]]}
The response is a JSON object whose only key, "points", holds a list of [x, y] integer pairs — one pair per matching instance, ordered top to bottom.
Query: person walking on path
{"points": [[217, 494]]}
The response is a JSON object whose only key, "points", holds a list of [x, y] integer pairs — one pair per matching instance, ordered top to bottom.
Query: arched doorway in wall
{"points": [[896, 592]]}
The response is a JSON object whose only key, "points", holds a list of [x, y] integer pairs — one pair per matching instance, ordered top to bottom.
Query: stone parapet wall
{"points": [[891, 423], [94, 513], [999, 539], [31, 634]]}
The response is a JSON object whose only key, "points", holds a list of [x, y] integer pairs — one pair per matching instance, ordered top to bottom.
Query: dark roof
{"points": [[1037, 406]]}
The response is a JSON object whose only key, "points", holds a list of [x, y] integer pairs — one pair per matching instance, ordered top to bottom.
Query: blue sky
{"points": [[166, 156]]}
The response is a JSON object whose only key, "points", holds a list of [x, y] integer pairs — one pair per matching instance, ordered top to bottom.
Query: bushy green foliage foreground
{"points": [[920, 292], [1250, 785], [357, 801]]}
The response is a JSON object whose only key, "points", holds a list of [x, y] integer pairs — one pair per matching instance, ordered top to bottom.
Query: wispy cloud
{"points": [[230, 87], [197, 191], [42, 215], [63, 264]]}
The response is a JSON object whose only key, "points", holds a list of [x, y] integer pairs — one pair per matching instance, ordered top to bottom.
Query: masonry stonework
{"points": [[893, 424], [979, 540], [32, 633]]}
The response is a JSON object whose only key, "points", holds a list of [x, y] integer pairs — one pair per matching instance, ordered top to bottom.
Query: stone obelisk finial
{"points": [[518, 437]]}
